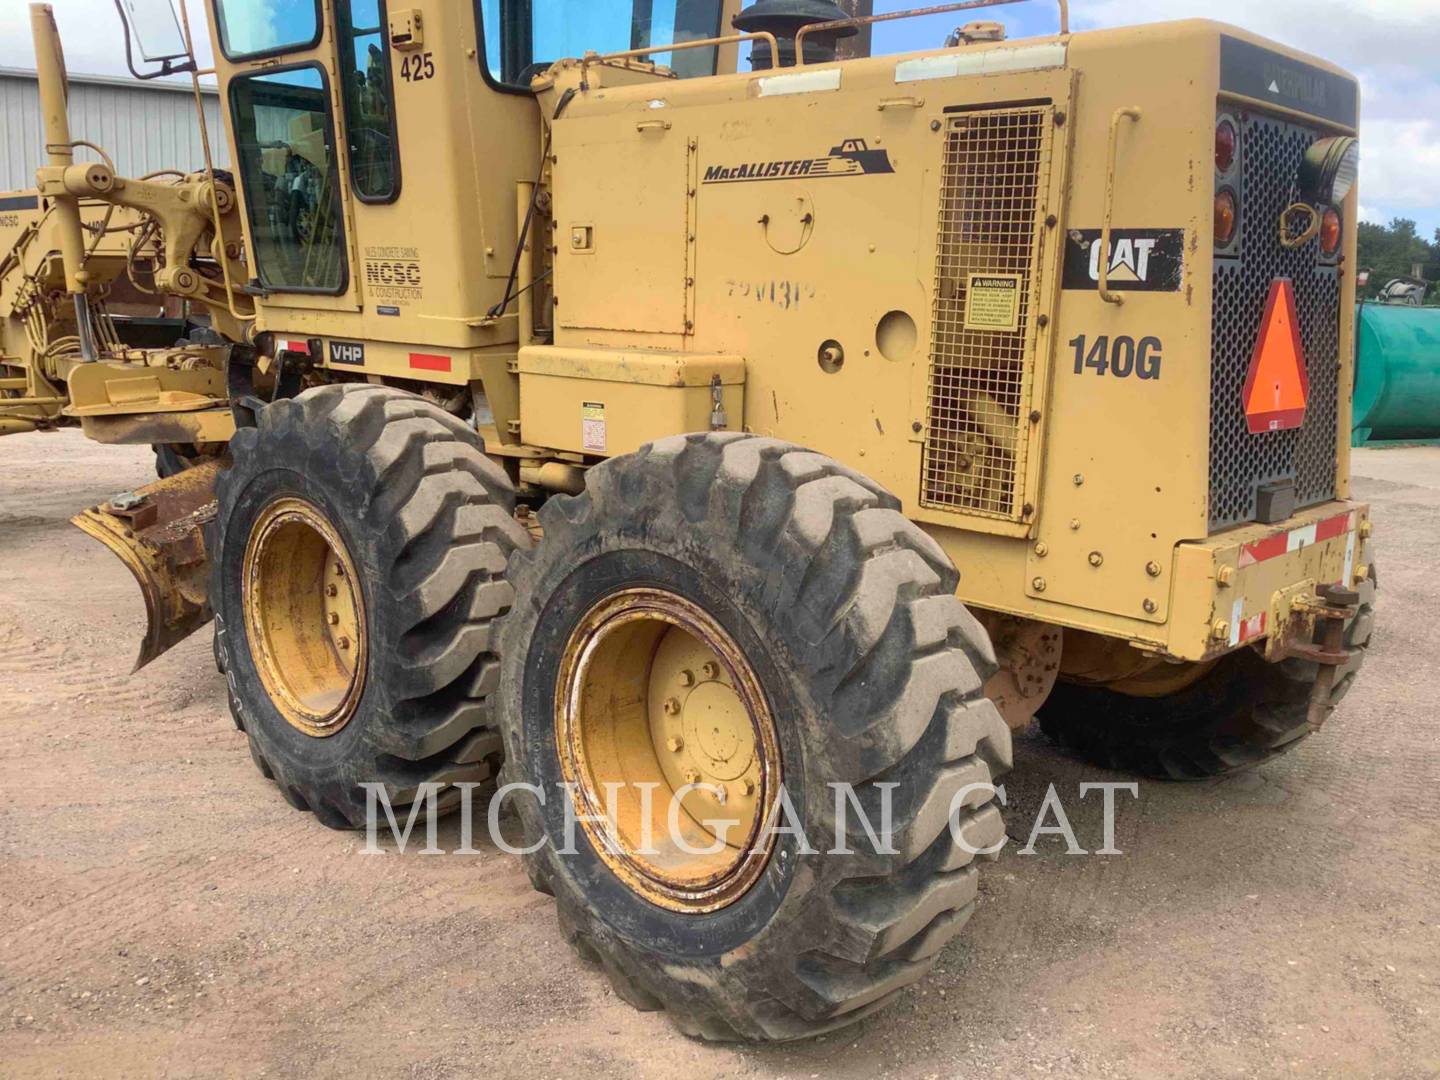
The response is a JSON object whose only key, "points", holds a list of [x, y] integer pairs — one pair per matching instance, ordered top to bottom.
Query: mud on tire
{"points": [[428, 521], [873, 672], [1241, 713]]}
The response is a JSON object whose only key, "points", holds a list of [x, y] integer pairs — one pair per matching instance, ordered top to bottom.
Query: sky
{"points": [[1393, 46]]}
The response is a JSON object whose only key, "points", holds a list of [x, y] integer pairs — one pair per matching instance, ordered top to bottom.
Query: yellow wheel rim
{"points": [[304, 616], [653, 699]]}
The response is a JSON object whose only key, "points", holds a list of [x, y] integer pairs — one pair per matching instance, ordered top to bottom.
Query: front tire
{"points": [[359, 567], [869, 668]]}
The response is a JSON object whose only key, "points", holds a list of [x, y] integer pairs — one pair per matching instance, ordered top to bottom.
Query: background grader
{"points": [[871, 407]]}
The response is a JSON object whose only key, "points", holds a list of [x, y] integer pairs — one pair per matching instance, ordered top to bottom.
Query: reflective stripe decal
{"points": [[981, 62], [802, 82], [429, 361], [1294, 539], [1252, 627]]}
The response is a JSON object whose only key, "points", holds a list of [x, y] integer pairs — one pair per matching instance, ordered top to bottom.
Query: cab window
{"points": [[250, 28], [523, 37], [369, 100], [285, 156]]}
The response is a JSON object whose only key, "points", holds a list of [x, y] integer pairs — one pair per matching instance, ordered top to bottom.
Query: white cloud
{"points": [[90, 33], [1355, 35], [1391, 46], [1400, 162]]}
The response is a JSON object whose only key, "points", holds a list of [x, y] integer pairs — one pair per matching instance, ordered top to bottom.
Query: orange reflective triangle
{"points": [[1278, 384]]}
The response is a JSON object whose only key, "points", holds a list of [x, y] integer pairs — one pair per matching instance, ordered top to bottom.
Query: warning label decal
{"points": [[992, 302], [592, 426]]}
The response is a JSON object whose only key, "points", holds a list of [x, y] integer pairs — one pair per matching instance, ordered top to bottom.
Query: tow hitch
{"points": [[1332, 607]]}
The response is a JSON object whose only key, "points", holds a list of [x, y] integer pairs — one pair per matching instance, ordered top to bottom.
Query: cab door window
{"points": [[251, 28], [369, 97], [285, 156]]}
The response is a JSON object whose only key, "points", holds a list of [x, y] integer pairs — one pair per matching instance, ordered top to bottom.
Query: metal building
{"points": [[144, 126]]}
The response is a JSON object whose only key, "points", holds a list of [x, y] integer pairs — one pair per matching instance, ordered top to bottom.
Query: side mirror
{"points": [[155, 30]]}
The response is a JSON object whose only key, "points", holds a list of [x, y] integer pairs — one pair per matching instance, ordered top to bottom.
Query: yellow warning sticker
{"points": [[992, 302], [592, 425]]}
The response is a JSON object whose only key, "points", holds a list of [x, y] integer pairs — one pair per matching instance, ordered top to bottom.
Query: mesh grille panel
{"points": [[1271, 151], [996, 172]]}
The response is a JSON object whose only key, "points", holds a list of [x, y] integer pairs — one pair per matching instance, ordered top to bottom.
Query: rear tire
{"points": [[426, 520], [872, 669], [1241, 713]]}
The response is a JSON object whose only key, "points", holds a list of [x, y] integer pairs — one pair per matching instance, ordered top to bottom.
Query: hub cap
{"points": [[304, 616], [653, 699]]}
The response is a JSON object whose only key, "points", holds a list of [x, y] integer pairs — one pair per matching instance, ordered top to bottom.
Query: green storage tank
{"points": [[1397, 373]]}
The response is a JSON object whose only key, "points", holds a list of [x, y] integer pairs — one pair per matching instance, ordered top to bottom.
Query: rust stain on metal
{"points": [[159, 536]]}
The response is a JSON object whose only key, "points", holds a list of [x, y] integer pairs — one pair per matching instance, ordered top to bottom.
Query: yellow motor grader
{"points": [[581, 403]]}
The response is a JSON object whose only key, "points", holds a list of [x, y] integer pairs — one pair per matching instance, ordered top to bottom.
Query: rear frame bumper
{"points": [[1256, 584]]}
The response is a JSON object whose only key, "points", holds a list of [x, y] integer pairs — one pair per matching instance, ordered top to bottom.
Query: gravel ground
{"points": [[163, 912]]}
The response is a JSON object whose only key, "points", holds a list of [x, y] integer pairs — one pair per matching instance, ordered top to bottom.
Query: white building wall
{"points": [[143, 126]]}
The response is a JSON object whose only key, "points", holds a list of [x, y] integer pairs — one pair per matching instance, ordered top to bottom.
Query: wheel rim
{"points": [[305, 616], [654, 696]]}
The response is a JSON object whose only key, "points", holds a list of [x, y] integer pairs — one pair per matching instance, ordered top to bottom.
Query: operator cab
{"points": [[300, 80]]}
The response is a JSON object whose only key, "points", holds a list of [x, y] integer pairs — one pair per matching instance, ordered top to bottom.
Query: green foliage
{"points": [[1391, 251]]}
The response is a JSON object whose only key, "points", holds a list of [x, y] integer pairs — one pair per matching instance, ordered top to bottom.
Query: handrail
{"points": [[939, 9], [702, 43], [1131, 112], [221, 256]]}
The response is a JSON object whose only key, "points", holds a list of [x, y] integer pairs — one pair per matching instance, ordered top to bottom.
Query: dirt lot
{"points": [[162, 911]]}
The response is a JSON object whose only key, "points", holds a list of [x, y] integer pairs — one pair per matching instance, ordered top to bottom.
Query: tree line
{"points": [[1392, 251]]}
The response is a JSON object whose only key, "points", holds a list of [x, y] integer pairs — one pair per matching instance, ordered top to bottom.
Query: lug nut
{"points": [[340, 569], [332, 590], [332, 618], [344, 643], [711, 669], [687, 678], [671, 706], [675, 743], [692, 776], [747, 786]]}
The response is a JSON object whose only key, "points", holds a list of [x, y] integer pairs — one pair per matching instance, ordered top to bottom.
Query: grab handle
{"points": [[1131, 112]]}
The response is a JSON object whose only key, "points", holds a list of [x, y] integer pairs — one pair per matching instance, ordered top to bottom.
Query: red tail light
{"points": [[1225, 143]]}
